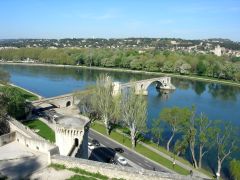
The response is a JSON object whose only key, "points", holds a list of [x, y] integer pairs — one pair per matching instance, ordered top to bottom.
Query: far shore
{"points": [[198, 78]]}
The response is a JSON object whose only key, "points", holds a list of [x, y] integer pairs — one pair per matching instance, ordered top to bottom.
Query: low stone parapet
{"points": [[19, 127], [7, 138], [114, 171]]}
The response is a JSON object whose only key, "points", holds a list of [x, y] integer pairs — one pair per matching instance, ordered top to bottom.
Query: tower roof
{"points": [[72, 122]]}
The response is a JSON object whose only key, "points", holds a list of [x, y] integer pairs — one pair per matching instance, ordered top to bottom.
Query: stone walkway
{"points": [[18, 161], [50, 173]]}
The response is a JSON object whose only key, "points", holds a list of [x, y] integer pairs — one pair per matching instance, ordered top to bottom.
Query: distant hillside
{"points": [[215, 46]]}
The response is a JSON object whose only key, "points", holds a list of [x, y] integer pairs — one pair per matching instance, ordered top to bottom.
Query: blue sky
{"points": [[189, 19]]}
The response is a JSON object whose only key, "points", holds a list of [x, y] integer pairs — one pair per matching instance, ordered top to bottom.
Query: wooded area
{"points": [[209, 65]]}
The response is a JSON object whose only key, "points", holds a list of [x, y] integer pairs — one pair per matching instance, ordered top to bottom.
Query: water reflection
{"points": [[199, 87], [223, 92], [164, 94]]}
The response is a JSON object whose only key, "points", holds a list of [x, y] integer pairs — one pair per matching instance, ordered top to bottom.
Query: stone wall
{"points": [[59, 101], [62, 102], [19, 127], [24, 135], [7, 138], [65, 139], [35, 144], [42, 146], [114, 171]]}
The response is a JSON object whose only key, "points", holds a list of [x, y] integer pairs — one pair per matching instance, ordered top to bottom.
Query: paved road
{"points": [[105, 154], [135, 158]]}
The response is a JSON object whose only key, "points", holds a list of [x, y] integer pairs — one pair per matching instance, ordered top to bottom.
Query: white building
{"points": [[217, 51]]}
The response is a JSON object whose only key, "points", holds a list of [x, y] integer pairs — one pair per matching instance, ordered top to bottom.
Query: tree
{"points": [[137, 64], [153, 65], [168, 66], [201, 68], [4, 77], [15, 102], [104, 102], [85, 105], [134, 114], [176, 118], [4, 126], [156, 129], [204, 134], [191, 136], [225, 142], [180, 146], [234, 169]]}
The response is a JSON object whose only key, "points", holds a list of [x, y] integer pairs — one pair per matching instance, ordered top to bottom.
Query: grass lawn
{"points": [[26, 95], [44, 131], [140, 149], [182, 160], [81, 174]]}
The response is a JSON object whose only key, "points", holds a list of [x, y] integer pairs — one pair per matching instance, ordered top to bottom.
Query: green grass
{"points": [[26, 95], [44, 131], [140, 149], [162, 149], [182, 160], [57, 167], [84, 172], [81, 173], [79, 177]]}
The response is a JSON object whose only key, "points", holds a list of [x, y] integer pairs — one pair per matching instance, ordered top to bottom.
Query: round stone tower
{"points": [[72, 136]]}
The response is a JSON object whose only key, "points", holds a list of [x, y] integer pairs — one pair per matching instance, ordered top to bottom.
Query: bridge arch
{"points": [[157, 83], [142, 87], [68, 103]]}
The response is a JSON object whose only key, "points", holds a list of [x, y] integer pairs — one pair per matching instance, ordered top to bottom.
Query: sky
{"points": [[187, 19]]}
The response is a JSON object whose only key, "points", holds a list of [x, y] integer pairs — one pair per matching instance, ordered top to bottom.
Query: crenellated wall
{"points": [[67, 139]]}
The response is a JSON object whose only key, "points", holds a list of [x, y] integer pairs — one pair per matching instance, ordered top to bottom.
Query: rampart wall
{"points": [[114, 171]]}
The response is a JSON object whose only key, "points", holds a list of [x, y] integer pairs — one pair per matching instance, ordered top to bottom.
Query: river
{"points": [[217, 101]]}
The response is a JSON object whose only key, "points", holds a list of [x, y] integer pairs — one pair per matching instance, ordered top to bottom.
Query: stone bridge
{"points": [[142, 85], [57, 101]]}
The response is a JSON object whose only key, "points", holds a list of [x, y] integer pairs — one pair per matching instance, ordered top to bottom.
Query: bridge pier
{"points": [[142, 92]]}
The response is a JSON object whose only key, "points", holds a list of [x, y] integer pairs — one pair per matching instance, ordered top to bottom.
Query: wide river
{"points": [[217, 101]]}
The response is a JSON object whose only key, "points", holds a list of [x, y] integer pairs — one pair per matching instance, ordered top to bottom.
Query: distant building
{"points": [[174, 42], [217, 51]]}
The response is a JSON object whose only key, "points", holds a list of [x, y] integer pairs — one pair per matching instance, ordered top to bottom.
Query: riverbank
{"points": [[191, 77], [30, 92], [26, 94]]}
